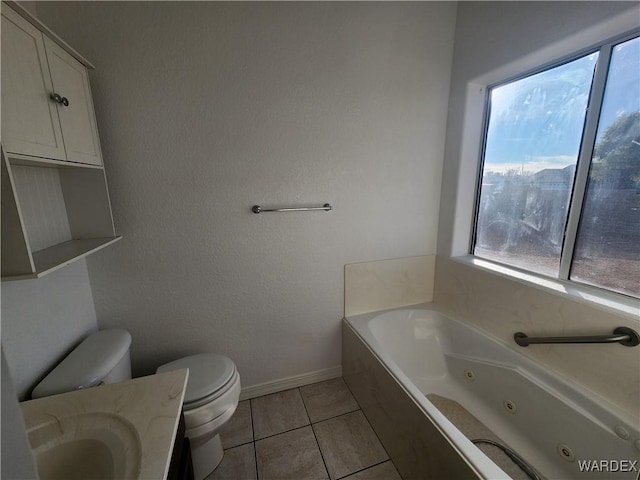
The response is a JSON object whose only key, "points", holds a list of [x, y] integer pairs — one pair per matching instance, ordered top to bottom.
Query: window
{"points": [[560, 181]]}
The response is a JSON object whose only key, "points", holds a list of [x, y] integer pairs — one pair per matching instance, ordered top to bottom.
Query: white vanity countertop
{"points": [[148, 406]]}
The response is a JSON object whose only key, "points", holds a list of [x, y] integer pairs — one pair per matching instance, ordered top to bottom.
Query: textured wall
{"points": [[495, 39], [207, 108], [42, 320]]}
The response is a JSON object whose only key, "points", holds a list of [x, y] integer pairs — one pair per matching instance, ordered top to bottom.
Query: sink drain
{"points": [[469, 375]]}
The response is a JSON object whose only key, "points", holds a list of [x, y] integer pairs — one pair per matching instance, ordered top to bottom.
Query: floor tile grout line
{"points": [[324, 381], [351, 392], [274, 393], [302, 396], [304, 405], [340, 414], [336, 416], [308, 425], [374, 430], [281, 433], [376, 434], [253, 436], [255, 439], [239, 445], [388, 459], [255, 460], [365, 468], [326, 469]]}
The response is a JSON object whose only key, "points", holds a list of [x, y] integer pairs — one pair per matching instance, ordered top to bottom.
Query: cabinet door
{"points": [[78, 121], [30, 122]]}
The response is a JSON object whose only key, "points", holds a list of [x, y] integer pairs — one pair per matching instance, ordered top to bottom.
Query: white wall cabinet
{"points": [[47, 110], [77, 119], [30, 123], [55, 202]]}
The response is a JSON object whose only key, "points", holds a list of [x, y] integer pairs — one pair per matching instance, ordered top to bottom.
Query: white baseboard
{"points": [[290, 382]]}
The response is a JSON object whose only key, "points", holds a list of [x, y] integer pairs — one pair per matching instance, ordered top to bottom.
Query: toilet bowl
{"points": [[211, 398]]}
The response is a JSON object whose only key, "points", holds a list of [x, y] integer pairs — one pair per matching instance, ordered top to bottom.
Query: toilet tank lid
{"points": [[87, 364]]}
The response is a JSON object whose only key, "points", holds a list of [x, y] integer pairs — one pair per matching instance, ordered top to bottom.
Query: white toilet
{"points": [[212, 394]]}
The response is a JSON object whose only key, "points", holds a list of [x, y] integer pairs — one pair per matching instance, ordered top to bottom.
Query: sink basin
{"points": [[122, 430], [100, 446]]}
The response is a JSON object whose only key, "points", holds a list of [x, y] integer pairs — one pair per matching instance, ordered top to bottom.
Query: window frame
{"points": [[583, 163]]}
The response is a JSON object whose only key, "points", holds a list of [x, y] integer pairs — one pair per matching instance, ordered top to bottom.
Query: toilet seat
{"points": [[210, 376]]}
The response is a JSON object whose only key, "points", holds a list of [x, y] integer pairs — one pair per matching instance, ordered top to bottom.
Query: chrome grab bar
{"points": [[258, 209], [622, 335]]}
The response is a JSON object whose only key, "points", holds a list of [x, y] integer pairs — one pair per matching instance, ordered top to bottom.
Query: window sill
{"points": [[613, 302]]}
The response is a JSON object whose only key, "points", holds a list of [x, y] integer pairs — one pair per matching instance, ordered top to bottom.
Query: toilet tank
{"points": [[102, 357]]}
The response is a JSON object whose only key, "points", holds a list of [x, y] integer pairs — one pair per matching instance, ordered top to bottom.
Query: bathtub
{"points": [[395, 361]]}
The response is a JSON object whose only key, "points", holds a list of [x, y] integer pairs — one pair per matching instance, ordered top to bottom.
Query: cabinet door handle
{"points": [[64, 101]]}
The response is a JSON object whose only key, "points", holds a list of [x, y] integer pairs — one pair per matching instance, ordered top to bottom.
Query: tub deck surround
{"points": [[384, 284], [502, 307], [392, 360], [151, 406], [415, 443]]}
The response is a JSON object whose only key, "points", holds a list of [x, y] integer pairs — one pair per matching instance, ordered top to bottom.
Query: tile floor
{"points": [[313, 432]]}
